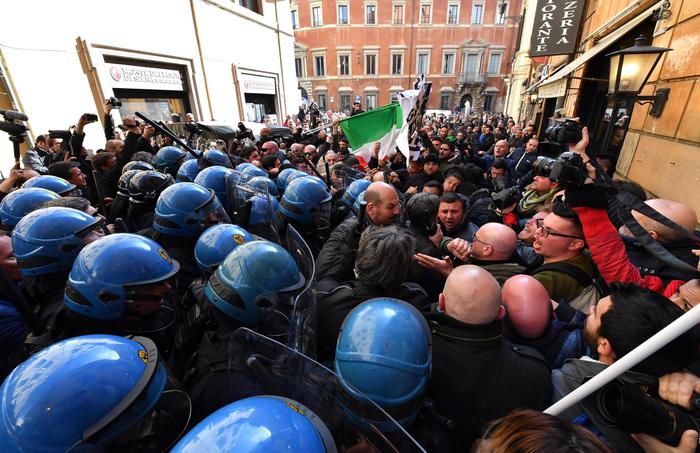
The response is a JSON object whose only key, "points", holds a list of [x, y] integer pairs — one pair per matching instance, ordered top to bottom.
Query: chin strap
{"points": [[628, 203]]}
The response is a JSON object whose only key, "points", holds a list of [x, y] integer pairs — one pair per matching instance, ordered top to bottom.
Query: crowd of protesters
{"points": [[457, 291]]}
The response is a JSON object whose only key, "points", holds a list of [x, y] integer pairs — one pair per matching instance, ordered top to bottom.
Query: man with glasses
{"points": [[559, 239]]}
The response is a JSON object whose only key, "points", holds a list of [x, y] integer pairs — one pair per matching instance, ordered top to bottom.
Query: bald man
{"points": [[672, 241], [493, 248], [337, 257], [531, 322], [477, 375]]}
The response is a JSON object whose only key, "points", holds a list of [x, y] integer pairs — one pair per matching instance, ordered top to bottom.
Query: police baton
{"points": [[167, 132], [313, 167], [100, 194], [361, 218], [121, 225]]}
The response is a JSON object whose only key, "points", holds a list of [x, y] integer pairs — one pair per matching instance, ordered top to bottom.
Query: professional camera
{"points": [[114, 102], [193, 127], [567, 132], [64, 135], [567, 169], [506, 198], [628, 408]]}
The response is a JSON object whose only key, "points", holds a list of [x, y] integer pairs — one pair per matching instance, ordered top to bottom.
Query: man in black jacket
{"points": [[422, 211], [337, 256], [383, 259], [477, 375]]}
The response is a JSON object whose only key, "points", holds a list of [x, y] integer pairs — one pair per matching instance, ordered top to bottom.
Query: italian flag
{"points": [[386, 125]]}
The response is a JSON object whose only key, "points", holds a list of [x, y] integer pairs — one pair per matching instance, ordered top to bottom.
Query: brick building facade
{"points": [[376, 48]]}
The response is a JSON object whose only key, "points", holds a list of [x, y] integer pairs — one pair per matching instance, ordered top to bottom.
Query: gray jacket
{"points": [[33, 159]]}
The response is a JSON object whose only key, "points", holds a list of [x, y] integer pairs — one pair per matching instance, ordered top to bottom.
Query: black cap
{"points": [[431, 158]]}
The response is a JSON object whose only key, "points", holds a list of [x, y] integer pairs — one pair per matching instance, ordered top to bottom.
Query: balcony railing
{"points": [[472, 77]]}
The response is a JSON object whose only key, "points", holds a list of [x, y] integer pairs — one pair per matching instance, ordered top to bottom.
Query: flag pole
{"points": [[637, 355]]}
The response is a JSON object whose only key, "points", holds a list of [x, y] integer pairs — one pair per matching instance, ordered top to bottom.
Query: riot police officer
{"points": [[306, 206], [183, 212], [46, 242], [254, 287], [92, 393]]}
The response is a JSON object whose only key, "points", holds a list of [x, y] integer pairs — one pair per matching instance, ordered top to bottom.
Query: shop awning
{"points": [[555, 84], [491, 90]]}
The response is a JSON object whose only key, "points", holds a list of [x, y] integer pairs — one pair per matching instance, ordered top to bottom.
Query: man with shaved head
{"points": [[500, 151], [676, 244], [338, 254], [531, 322], [477, 375]]}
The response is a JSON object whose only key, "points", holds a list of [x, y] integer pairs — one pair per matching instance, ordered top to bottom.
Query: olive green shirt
{"points": [[561, 285]]}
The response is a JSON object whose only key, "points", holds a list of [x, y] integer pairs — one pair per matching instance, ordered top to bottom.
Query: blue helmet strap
{"points": [[151, 359]]}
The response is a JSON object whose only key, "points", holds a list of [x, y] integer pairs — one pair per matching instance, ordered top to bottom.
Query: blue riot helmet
{"points": [[190, 156], [215, 157], [169, 159], [137, 165], [243, 166], [188, 171], [252, 171], [216, 178], [283, 178], [263, 183], [54, 184], [146, 186], [355, 188], [307, 200], [21, 202], [187, 209], [355, 209], [262, 210], [48, 240], [216, 243], [250, 278], [99, 288], [383, 353], [81, 394], [259, 424]]}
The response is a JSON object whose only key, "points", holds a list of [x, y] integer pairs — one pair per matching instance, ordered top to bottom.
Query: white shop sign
{"points": [[144, 77]]}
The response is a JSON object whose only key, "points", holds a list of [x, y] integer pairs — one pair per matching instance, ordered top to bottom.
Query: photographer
{"points": [[616, 326]]}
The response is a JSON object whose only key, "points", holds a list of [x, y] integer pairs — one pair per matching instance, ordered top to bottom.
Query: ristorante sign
{"points": [[556, 27]]}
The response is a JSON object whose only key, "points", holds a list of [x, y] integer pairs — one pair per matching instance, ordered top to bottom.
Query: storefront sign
{"points": [[556, 27], [144, 77], [258, 84], [553, 90]]}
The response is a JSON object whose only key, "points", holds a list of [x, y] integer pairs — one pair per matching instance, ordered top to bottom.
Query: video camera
{"points": [[568, 131], [64, 135], [567, 169], [628, 408]]}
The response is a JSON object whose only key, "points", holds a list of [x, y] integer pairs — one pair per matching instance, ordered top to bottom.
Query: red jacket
{"points": [[608, 252]]}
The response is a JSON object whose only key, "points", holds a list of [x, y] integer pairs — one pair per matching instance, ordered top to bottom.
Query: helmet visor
{"points": [[211, 212], [322, 216], [94, 231]]}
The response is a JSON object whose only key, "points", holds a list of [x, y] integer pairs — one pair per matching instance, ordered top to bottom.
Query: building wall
{"points": [[330, 39], [53, 54], [663, 154]]}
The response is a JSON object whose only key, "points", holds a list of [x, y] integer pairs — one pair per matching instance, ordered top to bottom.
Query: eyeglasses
{"points": [[547, 231], [476, 239]]}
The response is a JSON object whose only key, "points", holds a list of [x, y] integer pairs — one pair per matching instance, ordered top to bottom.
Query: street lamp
{"points": [[630, 69]]}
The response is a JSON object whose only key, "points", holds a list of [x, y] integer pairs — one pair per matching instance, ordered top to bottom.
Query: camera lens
{"points": [[543, 166]]}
